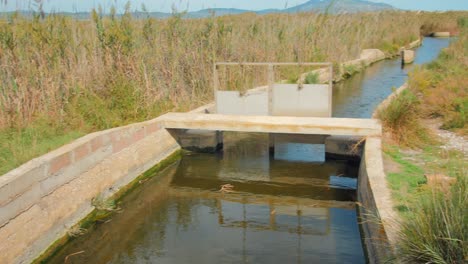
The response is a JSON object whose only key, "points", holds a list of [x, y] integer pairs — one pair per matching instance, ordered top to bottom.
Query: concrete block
{"points": [[441, 34], [415, 44], [370, 56], [408, 56], [312, 100], [233, 103], [152, 128], [139, 134], [120, 140], [198, 140], [97, 143], [81, 152], [60, 162], [22, 181], [53, 181], [20, 204]]}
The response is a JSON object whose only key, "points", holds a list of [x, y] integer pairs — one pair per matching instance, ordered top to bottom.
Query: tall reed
{"points": [[84, 75]]}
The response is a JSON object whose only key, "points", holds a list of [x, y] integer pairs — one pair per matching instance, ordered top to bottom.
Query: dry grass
{"points": [[442, 86]]}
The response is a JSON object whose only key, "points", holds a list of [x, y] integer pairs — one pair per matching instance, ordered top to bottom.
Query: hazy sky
{"points": [[165, 5]]}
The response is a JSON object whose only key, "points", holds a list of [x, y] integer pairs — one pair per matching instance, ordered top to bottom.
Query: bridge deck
{"points": [[274, 124]]}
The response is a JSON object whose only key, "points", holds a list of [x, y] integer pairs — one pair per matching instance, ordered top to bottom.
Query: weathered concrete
{"points": [[441, 34], [414, 44], [370, 56], [407, 56], [366, 58], [275, 99], [307, 100], [388, 100], [253, 102], [274, 124], [198, 140], [344, 146], [41, 209], [378, 219]]}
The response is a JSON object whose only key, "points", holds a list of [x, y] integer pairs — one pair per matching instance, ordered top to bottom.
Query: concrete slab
{"points": [[308, 100], [233, 103], [274, 124]]}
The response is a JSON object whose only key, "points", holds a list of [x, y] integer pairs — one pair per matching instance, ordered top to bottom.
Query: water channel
{"points": [[289, 205]]}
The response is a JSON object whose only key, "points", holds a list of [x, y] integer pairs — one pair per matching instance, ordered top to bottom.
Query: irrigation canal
{"points": [[290, 206]]}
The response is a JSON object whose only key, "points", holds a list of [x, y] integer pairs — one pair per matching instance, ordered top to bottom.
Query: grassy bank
{"points": [[61, 78], [434, 225]]}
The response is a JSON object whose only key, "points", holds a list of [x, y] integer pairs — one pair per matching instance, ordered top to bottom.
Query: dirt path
{"points": [[450, 140]]}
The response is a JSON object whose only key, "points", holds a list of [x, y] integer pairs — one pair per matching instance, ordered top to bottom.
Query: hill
{"points": [[318, 6]]}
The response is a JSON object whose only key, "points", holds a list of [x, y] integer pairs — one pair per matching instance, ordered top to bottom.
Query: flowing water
{"points": [[362, 93], [286, 206]]}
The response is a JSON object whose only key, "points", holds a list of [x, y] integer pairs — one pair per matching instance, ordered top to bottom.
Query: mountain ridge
{"points": [[319, 6]]}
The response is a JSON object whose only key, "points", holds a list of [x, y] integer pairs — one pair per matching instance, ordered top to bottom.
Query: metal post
{"points": [[271, 83], [215, 85], [330, 90]]}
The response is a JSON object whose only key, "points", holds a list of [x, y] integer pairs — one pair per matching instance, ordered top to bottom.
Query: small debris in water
{"points": [[142, 181], [226, 188], [76, 231], [76, 253]]}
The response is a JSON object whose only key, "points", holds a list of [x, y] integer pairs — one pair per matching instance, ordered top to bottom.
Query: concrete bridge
{"points": [[274, 124]]}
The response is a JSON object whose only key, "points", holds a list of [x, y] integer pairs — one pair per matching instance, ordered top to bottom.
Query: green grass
{"points": [[350, 70], [311, 78], [17, 147], [406, 183], [409, 183], [434, 224], [437, 231]]}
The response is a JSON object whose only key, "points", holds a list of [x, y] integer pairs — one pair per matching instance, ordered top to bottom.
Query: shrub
{"points": [[312, 78], [400, 118], [437, 232]]}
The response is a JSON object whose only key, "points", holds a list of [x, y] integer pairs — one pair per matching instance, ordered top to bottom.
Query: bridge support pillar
{"points": [[198, 140]]}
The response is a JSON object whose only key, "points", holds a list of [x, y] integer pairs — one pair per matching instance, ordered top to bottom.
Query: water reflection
{"points": [[360, 95], [280, 211]]}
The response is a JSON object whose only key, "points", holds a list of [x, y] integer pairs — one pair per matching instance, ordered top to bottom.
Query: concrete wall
{"points": [[441, 34], [415, 44], [407, 56], [366, 58], [310, 100], [387, 101], [254, 102], [43, 198], [377, 217]]}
